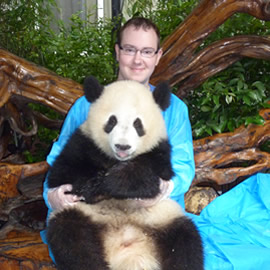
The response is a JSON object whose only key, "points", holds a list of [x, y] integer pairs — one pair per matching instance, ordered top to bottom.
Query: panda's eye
{"points": [[111, 123], [137, 124]]}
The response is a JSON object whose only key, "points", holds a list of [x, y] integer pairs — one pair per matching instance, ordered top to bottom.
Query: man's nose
{"points": [[137, 56]]}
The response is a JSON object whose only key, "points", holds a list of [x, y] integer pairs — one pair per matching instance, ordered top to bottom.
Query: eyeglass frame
{"points": [[137, 50]]}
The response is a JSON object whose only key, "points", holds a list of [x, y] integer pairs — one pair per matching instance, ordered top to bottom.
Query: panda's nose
{"points": [[122, 147]]}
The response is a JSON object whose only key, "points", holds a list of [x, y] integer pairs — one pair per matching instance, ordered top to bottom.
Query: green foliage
{"points": [[167, 14], [239, 24], [24, 25], [82, 49], [73, 51], [228, 100], [46, 111], [41, 141], [266, 147]]}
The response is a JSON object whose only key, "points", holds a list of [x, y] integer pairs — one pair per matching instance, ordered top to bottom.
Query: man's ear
{"points": [[117, 51], [159, 54]]}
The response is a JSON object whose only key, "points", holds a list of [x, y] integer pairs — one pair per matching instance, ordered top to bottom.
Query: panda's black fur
{"points": [[108, 231]]}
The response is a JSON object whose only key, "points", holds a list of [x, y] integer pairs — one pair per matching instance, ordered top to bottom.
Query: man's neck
{"points": [[146, 84]]}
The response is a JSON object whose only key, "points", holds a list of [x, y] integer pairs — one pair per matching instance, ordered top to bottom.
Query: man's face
{"points": [[136, 67]]}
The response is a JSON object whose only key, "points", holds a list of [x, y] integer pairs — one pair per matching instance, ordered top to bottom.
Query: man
{"points": [[138, 52]]}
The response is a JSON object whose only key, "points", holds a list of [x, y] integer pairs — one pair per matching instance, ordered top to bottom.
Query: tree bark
{"points": [[21, 78], [224, 158]]}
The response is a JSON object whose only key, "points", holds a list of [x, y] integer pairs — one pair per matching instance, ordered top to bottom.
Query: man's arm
{"points": [[75, 117], [180, 137]]}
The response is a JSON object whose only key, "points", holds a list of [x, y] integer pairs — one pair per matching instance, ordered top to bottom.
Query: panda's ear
{"points": [[92, 88], [162, 95]]}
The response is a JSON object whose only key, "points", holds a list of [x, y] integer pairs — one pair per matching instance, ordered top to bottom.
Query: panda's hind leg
{"points": [[75, 241], [181, 246]]}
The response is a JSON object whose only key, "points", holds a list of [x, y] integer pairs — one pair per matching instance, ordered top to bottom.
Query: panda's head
{"points": [[125, 117]]}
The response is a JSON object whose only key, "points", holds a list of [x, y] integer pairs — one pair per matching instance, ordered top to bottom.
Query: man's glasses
{"points": [[145, 52]]}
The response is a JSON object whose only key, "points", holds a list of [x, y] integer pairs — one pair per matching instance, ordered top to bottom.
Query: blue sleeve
{"points": [[75, 117], [180, 137]]}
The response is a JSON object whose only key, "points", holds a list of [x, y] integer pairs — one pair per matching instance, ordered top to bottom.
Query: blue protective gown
{"points": [[179, 133]]}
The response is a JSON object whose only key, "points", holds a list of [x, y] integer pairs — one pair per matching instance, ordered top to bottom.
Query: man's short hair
{"points": [[138, 22]]}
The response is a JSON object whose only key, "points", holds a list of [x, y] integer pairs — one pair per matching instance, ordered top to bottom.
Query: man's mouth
{"points": [[137, 69]]}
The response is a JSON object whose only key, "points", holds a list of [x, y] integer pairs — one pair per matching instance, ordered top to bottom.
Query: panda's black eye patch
{"points": [[111, 123], [137, 124]]}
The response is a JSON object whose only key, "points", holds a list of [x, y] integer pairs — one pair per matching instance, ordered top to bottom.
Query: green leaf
{"points": [[233, 81], [240, 85], [259, 85], [254, 95], [216, 99], [228, 99], [205, 100], [247, 100], [266, 105], [206, 109], [215, 109], [258, 120], [223, 122], [231, 125], [216, 128], [209, 131], [198, 132]]}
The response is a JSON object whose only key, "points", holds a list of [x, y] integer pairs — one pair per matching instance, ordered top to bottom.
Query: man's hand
{"points": [[165, 187], [58, 198]]}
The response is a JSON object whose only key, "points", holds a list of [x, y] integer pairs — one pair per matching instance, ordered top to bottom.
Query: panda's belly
{"points": [[116, 212], [128, 235], [129, 248]]}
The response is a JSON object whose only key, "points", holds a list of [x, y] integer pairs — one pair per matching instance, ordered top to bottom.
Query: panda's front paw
{"points": [[126, 181], [90, 190]]}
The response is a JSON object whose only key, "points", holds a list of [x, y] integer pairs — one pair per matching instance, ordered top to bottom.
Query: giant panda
{"points": [[117, 156]]}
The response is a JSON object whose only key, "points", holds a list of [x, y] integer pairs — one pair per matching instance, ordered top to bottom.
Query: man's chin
{"points": [[139, 79]]}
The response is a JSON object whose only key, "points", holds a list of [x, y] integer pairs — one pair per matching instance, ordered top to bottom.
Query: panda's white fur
{"points": [[127, 100], [113, 232]]}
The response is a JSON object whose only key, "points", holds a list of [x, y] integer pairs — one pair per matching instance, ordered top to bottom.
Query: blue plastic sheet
{"points": [[235, 227]]}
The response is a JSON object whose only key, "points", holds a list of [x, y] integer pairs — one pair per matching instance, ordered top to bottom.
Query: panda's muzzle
{"points": [[122, 147], [122, 151]]}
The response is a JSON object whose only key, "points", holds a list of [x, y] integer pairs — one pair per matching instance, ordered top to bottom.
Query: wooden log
{"points": [[215, 58], [27, 80], [218, 158], [10, 174], [197, 198], [24, 250]]}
